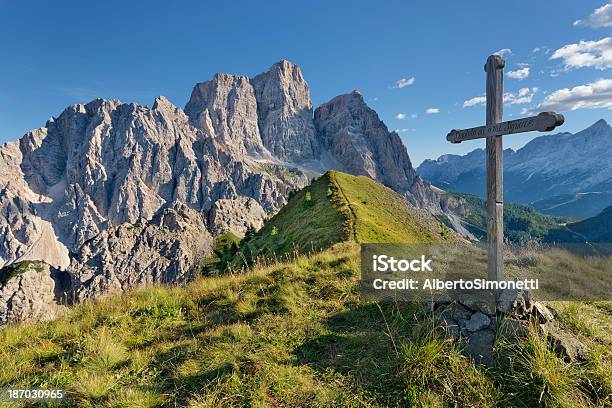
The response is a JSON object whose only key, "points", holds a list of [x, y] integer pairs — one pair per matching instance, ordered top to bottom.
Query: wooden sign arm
{"points": [[544, 122]]}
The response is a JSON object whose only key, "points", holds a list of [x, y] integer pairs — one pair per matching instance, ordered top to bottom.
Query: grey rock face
{"points": [[226, 106], [284, 109], [361, 144], [107, 163], [236, 215], [24, 234], [164, 250], [35, 293], [483, 302], [514, 302], [477, 322], [515, 328], [567, 346], [480, 347]]}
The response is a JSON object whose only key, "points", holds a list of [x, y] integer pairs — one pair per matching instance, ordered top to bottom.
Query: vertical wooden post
{"points": [[495, 168]]}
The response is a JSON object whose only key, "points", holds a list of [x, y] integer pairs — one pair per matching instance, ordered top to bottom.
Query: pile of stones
{"points": [[475, 320]]}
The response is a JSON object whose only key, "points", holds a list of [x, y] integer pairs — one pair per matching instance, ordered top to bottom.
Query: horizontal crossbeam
{"points": [[544, 122]]}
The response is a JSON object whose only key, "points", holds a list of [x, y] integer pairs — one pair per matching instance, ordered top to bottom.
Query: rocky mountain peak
{"points": [[287, 69], [162, 103], [347, 104], [99, 105], [226, 107], [284, 109], [600, 123], [601, 128], [362, 144]]}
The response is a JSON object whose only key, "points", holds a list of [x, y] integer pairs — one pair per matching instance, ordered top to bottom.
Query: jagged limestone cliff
{"points": [[84, 193]]}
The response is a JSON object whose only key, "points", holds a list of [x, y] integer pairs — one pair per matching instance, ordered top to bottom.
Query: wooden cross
{"points": [[493, 131]]}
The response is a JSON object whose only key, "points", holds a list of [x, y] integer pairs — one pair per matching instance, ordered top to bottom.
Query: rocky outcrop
{"points": [[361, 143], [236, 216], [165, 250], [31, 290], [475, 320]]}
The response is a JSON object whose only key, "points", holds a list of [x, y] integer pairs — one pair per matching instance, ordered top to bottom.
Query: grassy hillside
{"points": [[339, 207], [380, 215], [312, 219], [521, 222], [594, 229], [288, 335]]}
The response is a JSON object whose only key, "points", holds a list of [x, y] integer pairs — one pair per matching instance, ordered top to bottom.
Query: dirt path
{"points": [[353, 218]]}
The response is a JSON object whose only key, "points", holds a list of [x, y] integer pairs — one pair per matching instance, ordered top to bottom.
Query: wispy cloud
{"points": [[601, 17], [503, 52], [596, 54], [519, 74], [402, 83], [80, 93], [596, 94], [523, 96], [477, 100], [430, 111], [400, 116], [414, 116], [404, 130]]}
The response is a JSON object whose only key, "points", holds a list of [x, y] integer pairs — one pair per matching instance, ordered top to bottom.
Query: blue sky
{"points": [[54, 55]]}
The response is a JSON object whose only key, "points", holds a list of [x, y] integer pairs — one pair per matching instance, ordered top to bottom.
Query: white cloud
{"points": [[601, 17], [536, 50], [503, 52], [597, 54], [519, 74], [402, 83], [596, 94], [524, 95], [477, 100], [429, 111], [400, 116], [414, 116], [404, 130]]}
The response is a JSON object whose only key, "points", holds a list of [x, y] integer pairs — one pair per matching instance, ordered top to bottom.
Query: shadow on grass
{"points": [[362, 345]]}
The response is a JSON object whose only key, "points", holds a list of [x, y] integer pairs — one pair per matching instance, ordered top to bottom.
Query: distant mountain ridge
{"points": [[540, 173]]}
